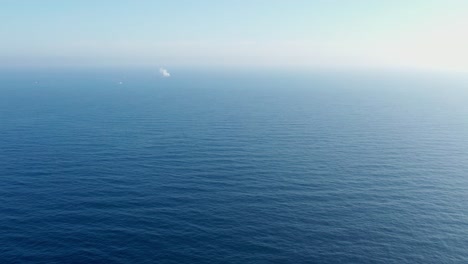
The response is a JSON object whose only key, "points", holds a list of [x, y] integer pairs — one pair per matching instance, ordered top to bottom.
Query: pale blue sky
{"points": [[302, 33]]}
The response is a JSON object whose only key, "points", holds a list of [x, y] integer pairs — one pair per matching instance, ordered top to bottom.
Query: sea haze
{"points": [[232, 167]]}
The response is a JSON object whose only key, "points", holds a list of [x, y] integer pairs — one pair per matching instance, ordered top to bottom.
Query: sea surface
{"points": [[124, 166]]}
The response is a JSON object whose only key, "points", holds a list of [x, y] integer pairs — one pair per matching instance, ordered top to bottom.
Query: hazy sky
{"points": [[429, 34]]}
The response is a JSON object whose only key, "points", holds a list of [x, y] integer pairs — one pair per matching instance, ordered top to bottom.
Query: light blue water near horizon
{"points": [[226, 167]]}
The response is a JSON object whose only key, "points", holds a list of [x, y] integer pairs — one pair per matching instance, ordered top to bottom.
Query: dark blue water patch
{"points": [[232, 169]]}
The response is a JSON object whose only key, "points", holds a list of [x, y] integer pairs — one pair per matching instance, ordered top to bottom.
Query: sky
{"points": [[406, 34]]}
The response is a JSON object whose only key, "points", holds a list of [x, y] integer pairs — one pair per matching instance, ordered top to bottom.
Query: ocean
{"points": [[124, 166]]}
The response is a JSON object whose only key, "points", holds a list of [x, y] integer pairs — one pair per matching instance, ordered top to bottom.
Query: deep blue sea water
{"points": [[226, 167]]}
